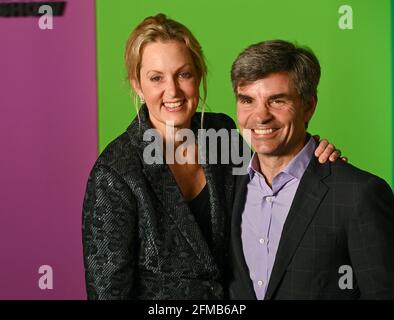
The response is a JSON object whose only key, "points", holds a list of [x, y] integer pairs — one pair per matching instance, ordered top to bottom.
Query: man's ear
{"points": [[310, 108]]}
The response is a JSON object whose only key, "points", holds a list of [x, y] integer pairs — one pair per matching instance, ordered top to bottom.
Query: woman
{"points": [[158, 231]]}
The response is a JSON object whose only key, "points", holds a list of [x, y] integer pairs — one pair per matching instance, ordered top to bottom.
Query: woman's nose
{"points": [[172, 88]]}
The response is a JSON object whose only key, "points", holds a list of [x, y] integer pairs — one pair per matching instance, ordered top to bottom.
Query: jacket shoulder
{"points": [[120, 155], [346, 172], [354, 185]]}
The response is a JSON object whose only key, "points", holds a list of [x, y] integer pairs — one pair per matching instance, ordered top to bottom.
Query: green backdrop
{"points": [[355, 100]]}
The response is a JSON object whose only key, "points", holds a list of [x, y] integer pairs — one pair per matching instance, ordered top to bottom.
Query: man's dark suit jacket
{"points": [[340, 216], [140, 238]]}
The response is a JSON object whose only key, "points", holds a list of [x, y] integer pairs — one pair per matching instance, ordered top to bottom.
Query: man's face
{"points": [[273, 111]]}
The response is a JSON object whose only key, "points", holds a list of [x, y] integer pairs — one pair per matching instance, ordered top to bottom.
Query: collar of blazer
{"points": [[167, 191], [307, 199]]}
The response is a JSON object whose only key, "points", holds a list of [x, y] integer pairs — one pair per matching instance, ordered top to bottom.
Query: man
{"points": [[301, 229]]}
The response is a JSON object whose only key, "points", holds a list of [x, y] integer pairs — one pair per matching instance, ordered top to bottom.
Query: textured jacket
{"points": [[140, 239], [337, 241]]}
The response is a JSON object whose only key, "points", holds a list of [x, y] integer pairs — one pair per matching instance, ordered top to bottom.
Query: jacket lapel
{"points": [[168, 193], [170, 196], [307, 199], [238, 259]]}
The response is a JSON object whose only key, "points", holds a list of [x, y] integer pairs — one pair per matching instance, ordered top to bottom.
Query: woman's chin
{"points": [[178, 119]]}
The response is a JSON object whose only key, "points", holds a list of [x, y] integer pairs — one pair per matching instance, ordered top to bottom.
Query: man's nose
{"points": [[262, 113]]}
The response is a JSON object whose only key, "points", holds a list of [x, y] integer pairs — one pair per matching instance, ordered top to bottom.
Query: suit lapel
{"points": [[307, 199], [239, 262]]}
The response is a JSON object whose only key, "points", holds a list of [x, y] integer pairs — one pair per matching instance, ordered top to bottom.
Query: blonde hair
{"points": [[159, 27]]}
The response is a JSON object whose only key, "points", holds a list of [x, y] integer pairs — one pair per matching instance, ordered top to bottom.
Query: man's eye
{"points": [[245, 100], [277, 102]]}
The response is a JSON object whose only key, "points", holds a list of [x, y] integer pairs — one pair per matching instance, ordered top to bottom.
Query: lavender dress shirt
{"points": [[265, 213]]}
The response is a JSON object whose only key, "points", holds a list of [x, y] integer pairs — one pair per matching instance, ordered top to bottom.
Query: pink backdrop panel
{"points": [[48, 134]]}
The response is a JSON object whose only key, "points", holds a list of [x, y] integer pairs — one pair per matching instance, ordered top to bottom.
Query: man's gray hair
{"points": [[267, 57]]}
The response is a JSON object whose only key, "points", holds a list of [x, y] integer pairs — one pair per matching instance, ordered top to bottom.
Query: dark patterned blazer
{"points": [[340, 216], [140, 240]]}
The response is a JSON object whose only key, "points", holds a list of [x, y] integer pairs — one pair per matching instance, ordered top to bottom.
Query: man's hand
{"points": [[327, 151]]}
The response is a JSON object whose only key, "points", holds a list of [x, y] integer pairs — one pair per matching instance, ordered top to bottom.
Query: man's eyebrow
{"points": [[243, 96], [279, 96]]}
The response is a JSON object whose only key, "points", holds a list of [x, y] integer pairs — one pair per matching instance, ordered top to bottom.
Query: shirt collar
{"points": [[254, 166], [295, 168]]}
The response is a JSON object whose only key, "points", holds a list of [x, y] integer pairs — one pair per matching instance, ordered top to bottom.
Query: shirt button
{"points": [[269, 199], [262, 241], [260, 282]]}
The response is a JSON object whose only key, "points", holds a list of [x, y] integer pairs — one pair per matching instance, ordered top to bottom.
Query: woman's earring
{"points": [[142, 100]]}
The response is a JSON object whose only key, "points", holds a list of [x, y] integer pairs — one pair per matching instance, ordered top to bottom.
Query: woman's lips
{"points": [[174, 106]]}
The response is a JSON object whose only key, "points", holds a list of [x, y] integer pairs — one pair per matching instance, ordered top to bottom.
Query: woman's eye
{"points": [[185, 75], [155, 78]]}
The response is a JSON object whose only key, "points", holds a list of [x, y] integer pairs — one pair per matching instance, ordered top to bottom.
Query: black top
{"points": [[199, 206]]}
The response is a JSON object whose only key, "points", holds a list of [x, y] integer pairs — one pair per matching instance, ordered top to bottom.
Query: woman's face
{"points": [[169, 84]]}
